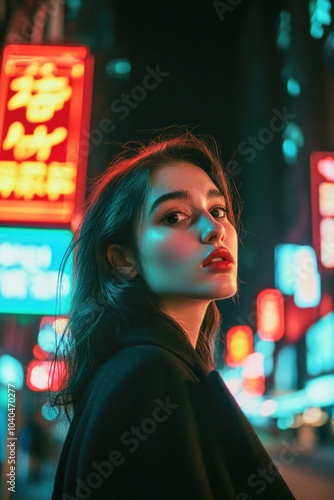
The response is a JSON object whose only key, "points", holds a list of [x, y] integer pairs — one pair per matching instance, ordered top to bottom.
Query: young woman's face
{"points": [[172, 248]]}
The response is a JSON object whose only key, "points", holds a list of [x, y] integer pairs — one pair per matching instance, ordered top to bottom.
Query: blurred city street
{"points": [[311, 475]]}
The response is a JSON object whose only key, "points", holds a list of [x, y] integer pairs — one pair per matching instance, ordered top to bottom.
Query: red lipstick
{"points": [[222, 253], [221, 266]]}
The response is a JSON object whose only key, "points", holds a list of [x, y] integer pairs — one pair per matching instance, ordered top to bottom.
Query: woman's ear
{"points": [[121, 259]]}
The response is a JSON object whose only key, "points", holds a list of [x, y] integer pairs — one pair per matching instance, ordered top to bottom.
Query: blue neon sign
{"points": [[29, 267], [296, 273], [320, 346]]}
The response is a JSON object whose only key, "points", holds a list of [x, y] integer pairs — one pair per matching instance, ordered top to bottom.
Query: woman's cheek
{"points": [[165, 247], [174, 247]]}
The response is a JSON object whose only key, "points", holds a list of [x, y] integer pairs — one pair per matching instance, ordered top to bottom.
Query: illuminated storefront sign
{"points": [[44, 112], [322, 190], [29, 266], [296, 273], [270, 314], [297, 319], [51, 328], [239, 343], [320, 346], [266, 348], [286, 369], [42, 375], [232, 378], [253, 381], [320, 391]]}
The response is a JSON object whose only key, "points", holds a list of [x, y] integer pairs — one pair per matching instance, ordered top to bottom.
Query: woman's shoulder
{"points": [[140, 361], [132, 379]]}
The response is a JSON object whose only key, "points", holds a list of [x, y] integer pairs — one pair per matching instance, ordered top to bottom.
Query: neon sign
{"points": [[44, 109], [322, 191], [29, 265], [296, 273], [270, 314], [239, 341], [320, 346], [40, 375], [253, 380]]}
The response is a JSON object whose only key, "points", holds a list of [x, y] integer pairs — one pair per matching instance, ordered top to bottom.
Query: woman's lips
{"points": [[220, 253], [220, 266]]}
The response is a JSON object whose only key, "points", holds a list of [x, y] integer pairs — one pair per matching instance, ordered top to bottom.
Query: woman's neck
{"points": [[189, 313]]}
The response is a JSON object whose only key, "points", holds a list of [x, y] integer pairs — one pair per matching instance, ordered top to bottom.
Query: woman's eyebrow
{"points": [[183, 195]]}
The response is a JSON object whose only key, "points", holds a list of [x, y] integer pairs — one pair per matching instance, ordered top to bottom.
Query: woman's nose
{"points": [[212, 228]]}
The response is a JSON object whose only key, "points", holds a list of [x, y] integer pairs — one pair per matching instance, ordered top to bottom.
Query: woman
{"points": [[152, 418]]}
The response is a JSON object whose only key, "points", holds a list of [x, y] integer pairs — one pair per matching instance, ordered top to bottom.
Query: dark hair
{"points": [[103, 302]]}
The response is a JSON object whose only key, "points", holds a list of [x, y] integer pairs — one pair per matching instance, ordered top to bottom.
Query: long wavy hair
{"points": [[104, 303]]}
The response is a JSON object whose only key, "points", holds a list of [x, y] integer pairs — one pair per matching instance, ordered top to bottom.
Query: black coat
{"points": [[155, 423]]}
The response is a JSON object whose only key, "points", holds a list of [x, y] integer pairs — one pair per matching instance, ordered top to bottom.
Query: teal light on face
{"points": [[293, 87], [29, 267]]}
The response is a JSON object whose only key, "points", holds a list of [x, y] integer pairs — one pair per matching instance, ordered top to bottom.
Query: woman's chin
{"points": [[225, 293], [217, 294]]}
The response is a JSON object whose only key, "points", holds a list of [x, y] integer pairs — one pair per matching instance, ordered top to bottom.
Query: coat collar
{"points": [[155, 331]]}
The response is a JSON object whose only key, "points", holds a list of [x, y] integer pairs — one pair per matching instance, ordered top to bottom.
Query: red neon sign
{"points": [[44, 110], [322, 198], [270, 314], [239, 344], [42, 375], [253, 380]]}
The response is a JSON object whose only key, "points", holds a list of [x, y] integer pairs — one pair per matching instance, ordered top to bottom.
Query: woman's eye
{"points": [[220, 208], [172, 214], [175, 215]]}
